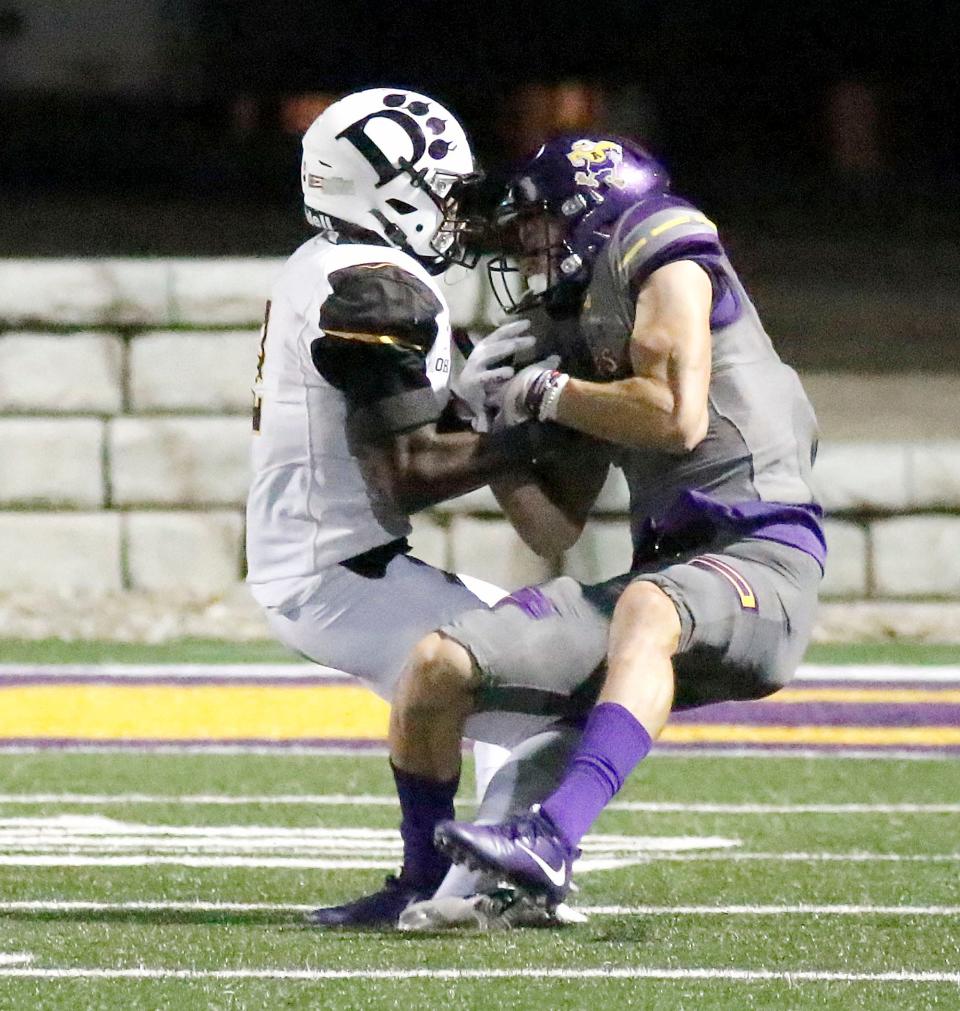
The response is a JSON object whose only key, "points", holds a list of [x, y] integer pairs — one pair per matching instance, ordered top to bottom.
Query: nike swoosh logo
{"points": [[556, 875]]}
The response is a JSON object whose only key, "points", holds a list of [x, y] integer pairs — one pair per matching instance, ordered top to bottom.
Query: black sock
{"points": [[424, 803]]}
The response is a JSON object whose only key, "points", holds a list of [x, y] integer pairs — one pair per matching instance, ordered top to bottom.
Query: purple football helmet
{"points": [[577, 187]]}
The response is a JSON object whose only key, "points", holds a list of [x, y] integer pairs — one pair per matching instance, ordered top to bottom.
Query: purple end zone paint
{"points": [[244, 680], [824, 714], [154, 743], [807, 747]]}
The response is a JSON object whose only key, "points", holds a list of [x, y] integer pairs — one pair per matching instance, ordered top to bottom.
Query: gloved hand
{"points": [[483, 374], [520, 398]]}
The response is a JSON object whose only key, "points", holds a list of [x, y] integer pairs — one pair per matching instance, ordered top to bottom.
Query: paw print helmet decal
{"points": [[398, 164]]}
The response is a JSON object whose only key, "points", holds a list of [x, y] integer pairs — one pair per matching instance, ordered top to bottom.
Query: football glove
{"points": [[488, 368]]}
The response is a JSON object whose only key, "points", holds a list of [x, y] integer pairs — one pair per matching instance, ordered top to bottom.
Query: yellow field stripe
{"points": [[896, 695], [202, 712], [220, 712], [734, 733]]}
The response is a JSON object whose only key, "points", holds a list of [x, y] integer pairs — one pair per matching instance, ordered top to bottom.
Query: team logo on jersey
{"points": [[599, 161], [606, 362], [748, 599]]}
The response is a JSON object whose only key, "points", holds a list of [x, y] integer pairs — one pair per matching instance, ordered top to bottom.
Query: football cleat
{"points": [[526, 851], [499, 909], [379, 910]]}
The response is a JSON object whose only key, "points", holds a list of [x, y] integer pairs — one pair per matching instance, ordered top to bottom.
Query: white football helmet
{"points": [[395, 163]]}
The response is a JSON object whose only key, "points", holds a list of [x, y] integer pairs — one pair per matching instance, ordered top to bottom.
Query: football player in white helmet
{"points": [[397, 165], [350, 406]]}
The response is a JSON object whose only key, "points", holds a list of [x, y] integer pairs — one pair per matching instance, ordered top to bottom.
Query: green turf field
{"points": [[216, 651], [195, 870], [174, 880]]}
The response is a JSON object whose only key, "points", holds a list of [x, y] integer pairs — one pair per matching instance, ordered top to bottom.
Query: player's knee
{"points": [[646, 615], [439, 670]]}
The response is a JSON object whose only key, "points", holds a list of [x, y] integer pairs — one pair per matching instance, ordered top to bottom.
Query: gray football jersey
{"points": [[762, 433]]}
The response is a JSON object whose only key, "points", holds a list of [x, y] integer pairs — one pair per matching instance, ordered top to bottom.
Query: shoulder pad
{"points": [[646, 233], [380, 303]]}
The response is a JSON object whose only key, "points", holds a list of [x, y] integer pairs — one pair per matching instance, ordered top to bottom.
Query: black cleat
{"points": [[380, 910]]}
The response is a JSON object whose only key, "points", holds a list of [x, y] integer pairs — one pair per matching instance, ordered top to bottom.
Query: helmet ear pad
{"points": [[412, 210]]}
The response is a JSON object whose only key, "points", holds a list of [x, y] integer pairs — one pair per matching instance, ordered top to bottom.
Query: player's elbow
{"points": [[685, 433], [407, 477], [422, 484], [412, 491], [410, 500], [551, 538]]}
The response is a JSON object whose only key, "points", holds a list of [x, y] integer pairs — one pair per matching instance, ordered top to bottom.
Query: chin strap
{"points": [[394, 234], [433, 265]]}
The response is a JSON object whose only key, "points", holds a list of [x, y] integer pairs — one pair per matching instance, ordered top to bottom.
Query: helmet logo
{"points": [[358, 135], [600, 162]]}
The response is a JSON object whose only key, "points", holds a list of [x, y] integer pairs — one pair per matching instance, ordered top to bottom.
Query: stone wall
{"points": [[124, 404]]}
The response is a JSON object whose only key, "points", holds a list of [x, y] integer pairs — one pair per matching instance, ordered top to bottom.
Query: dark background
{"points": [[739, 98], [822, 137]]}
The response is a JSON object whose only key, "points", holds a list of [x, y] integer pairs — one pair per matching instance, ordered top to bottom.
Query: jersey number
{"points": [[258, 381]]}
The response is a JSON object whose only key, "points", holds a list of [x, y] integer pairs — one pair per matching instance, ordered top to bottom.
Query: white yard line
{"points": [[808, 672], [879, 672], [378, 750], [840, 753], [213, 799], [371, 800], [669, 807], [74, 840], [802, 857], [144, 860], [336, 863], [83, 906], [801, 909], [15, 957], [604, 972]]}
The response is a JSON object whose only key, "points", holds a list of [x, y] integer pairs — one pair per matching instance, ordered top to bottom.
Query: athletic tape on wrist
{"points": [[550, 400]]}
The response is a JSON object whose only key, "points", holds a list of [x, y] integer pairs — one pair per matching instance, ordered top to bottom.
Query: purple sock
{"points": [[613, 743], [423, 804]]}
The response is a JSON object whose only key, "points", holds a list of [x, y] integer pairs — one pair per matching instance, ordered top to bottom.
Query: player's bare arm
{"points": [[664, 404], [422, 467], [548, 505]]}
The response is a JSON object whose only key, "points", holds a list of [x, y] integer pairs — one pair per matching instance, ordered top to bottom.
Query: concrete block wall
{"points": [[124, 400]]}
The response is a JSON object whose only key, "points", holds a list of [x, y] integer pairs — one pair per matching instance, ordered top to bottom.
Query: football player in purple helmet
{"points": [[559, 211], [649, 345]]}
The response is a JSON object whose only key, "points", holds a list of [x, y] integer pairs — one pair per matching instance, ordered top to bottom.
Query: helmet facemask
{"points": [[445, 210], [535, 254]]}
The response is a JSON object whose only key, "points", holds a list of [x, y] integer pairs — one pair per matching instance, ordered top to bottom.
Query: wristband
{"points": [[550, 400]]}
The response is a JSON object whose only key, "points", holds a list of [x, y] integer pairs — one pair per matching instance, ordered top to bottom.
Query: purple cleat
{"points": [[525, 850], [381, 910]]}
